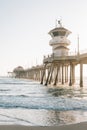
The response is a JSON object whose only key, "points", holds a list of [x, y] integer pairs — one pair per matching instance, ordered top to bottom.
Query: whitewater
{"points": [[26, 102]]}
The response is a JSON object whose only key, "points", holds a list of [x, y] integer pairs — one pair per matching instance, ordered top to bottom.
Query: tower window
{"points": [[55, 33], [59, 33], [62, 33]]}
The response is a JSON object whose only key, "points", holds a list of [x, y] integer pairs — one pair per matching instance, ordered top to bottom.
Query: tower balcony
{"points": [[59, 40]]}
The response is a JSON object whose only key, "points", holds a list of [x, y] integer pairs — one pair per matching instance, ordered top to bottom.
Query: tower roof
{"points": [[60, 29], [19, 68]]}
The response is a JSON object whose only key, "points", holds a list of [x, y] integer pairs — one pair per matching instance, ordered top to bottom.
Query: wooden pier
{"points": [[58, 67]]}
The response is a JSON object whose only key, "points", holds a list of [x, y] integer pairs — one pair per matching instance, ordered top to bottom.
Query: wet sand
{"points": [[78, 126]]}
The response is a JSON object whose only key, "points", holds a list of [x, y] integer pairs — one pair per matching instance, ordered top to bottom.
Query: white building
{"points": [[59, 41]]}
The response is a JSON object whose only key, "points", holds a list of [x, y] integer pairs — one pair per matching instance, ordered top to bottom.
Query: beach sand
{"points": [[78, 126]]}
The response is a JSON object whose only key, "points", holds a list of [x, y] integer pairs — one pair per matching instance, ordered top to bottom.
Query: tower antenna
{"points": [[60, 22], [56, 23], [78, 43]]}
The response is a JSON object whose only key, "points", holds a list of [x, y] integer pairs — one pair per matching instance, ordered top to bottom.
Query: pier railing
{"points": [[71, 55], [53, 57]]}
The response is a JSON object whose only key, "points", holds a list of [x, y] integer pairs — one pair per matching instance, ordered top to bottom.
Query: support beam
{"points": [[52, 68], [40, 74], [43, 74], [62, 74], [65, 74], [73, 74], [81, 75], [48, 76], [56, 78], [70, 82]]}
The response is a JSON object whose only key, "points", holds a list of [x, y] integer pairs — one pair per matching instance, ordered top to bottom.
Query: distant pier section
{"points": [[58, 67]]}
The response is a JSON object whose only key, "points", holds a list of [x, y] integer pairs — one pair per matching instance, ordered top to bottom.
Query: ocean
{"points": [[26, 102]]}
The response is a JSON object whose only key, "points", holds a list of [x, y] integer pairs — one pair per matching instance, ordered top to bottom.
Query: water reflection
{"points": [[70, 92], [41, 117], [55, 118], [59, 118]]}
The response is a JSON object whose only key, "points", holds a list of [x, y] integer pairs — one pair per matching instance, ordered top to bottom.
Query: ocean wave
{"points": [[4, 90], [32, 95], [60, 104]]}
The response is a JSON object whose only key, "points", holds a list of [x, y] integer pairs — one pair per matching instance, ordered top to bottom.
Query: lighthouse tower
{"points": [[59, 41]]}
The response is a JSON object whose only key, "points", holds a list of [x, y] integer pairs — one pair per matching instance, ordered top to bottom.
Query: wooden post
{"points": [[52, 68], [43, 74], [62, 74], [65, 74], [73, 74], [81, 75], [48, 76], [56, 78], [70, 82]]}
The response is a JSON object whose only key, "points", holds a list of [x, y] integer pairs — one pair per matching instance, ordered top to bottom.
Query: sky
{"points": [[24, 27]]}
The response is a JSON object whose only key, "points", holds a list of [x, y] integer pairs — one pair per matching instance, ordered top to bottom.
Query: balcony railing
{"points": [[70, 56]]}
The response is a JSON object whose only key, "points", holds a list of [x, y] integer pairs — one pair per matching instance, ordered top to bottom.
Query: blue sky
{"points": [[24, 27]]}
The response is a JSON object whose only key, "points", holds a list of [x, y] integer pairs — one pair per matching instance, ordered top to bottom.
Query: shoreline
{"points": [[78, 126]]}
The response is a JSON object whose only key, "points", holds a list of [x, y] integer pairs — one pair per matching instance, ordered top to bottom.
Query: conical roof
{"points": [[59, 29], [19, 68]]}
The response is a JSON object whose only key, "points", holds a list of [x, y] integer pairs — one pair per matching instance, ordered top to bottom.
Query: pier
{"points": [[58, 67]]}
